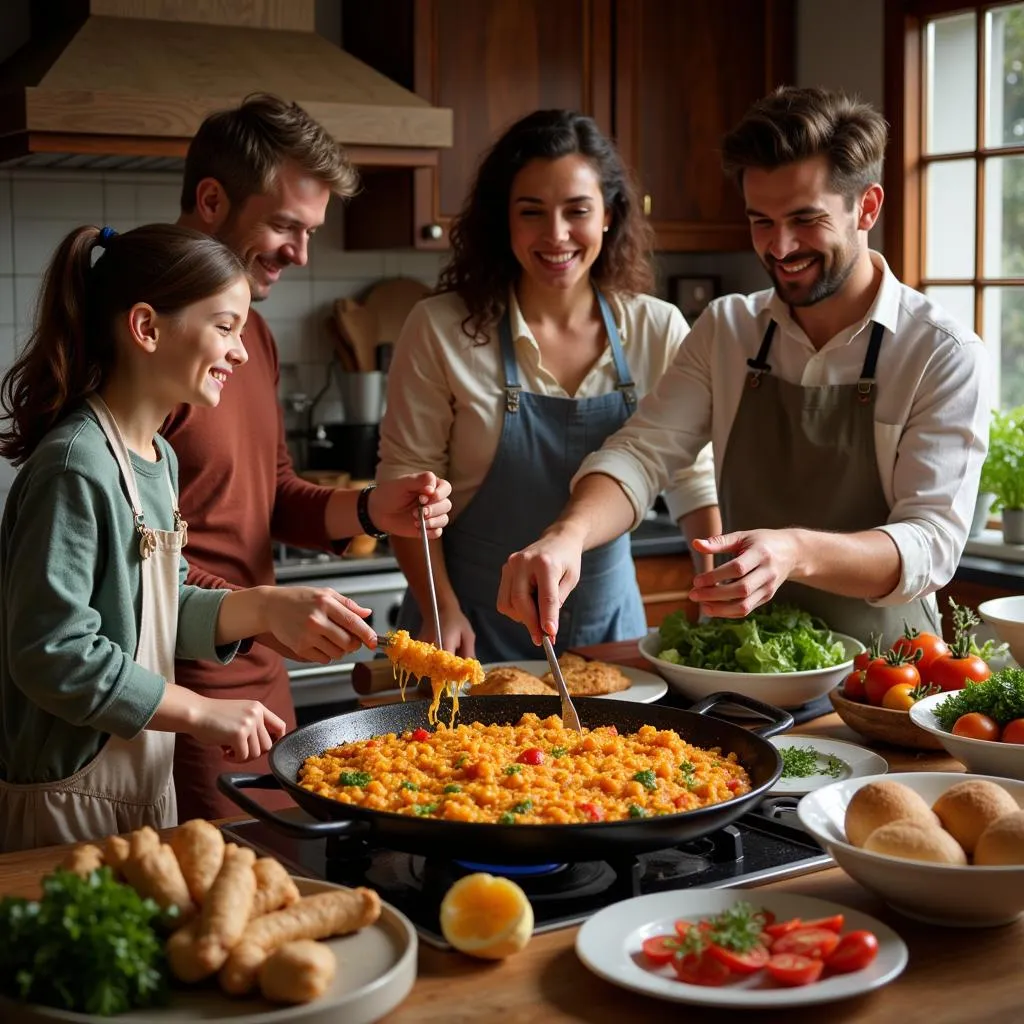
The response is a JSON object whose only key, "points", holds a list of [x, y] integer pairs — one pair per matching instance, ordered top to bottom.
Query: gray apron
{"points": [[544, 438], [805, 457], [129, 783]]}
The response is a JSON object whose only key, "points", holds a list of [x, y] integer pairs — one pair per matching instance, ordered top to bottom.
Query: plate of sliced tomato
{"points": [[740, 948]]}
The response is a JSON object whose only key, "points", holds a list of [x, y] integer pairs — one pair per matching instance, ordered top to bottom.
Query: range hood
{"points": [[126, 83]]}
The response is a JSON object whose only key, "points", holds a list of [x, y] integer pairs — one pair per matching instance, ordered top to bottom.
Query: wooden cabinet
{"points": [[491, 62], [685, 73], [667, 78], [664, 581]]}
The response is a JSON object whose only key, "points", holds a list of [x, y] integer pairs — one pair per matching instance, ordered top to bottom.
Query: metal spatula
{"points": [[570, 719]]}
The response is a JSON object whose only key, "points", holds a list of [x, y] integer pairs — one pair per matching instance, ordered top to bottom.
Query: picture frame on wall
{"points": [[692, 294]]}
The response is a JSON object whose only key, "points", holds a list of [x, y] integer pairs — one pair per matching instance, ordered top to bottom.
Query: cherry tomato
{"points": [[930, 646], [873, 652], [952, 673], [882, 676], [853, 686], [899, 697], [976, 726], [1013, 732], [420, 735], [532, 755], [591, 811], [813, 942], [659, 949], [854, 952], [740, 963], [700, 969], [793, 969]]}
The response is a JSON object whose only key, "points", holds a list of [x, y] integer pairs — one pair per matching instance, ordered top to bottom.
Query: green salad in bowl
{"points": [[778, 654]]}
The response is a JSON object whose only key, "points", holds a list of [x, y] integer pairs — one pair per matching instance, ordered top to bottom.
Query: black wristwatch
{"points": [[363, 513]]}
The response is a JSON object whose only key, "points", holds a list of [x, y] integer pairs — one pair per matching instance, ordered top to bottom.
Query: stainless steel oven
{"points": [[375, 582]]}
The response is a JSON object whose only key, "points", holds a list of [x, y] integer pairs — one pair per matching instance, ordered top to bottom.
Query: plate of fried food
{"points": [[583, 678], [229, 936]]}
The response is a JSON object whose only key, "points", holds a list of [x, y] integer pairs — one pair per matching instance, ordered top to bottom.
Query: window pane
{"points": [[1005, 76], [952, 86], [1004, 217], [949, 219], [957, 302], [1004, 339]]}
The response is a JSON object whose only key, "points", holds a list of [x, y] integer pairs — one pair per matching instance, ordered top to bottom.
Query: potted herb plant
{"points": [[1002, 475]]}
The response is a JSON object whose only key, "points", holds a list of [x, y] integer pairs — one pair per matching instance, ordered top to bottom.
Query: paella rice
{"points": [[535, 772]]}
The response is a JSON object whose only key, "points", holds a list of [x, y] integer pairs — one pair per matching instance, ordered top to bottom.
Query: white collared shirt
{"points": [[446, 394], [932, 409]]}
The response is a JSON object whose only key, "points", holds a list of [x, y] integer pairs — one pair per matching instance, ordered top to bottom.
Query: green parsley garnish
{"points": [[1001, 697], [557, 752], [460, 760], [800, 762], [513, 769], [354, 778], [647, 779], [406, 784], [452, 789], [523, 808], [422, 809], [638, 812], [508, 818], [739, 928]]}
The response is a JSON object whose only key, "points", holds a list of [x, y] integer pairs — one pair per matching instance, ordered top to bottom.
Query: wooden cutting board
{"points": [[391, 301]]}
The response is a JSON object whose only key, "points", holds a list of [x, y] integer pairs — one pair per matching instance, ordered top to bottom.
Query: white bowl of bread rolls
{"points": [[941, 847]]}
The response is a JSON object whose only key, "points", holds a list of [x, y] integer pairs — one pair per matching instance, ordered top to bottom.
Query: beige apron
{"points": [[805, 456], [129, 782]]}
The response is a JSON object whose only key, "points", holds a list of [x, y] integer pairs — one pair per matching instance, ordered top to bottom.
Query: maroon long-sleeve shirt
{"points": [[238, 491]]}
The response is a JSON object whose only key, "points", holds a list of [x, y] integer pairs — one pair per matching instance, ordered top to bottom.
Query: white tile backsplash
{"points": [[64, 197], [119, 203], [157, 203], [6, 229], [8, 316]]}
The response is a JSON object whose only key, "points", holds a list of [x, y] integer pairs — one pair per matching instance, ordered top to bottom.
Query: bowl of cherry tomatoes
{"points": [[876, 698], [983, 727]]}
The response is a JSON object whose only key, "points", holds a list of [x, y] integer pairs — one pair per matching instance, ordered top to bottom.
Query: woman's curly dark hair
{"points": [[483, 267]]}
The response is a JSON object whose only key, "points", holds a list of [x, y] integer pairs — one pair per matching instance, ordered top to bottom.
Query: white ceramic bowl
{"points": [[1006, 616], [783, 689], [983, 757], [945, 894]]}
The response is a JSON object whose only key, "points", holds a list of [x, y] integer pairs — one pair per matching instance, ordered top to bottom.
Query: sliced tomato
{"points": [[420, 735], [591, 811], [833, 924], [682, 927], [779, 928], [812, 942], [659, 949], [854, 952], [740, 963], [700, 969], [794, 969]]}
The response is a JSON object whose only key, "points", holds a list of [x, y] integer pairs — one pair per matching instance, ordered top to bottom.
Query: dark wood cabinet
{"points": [[491, 62], [685, 73], [667, 78], [664, 582]]}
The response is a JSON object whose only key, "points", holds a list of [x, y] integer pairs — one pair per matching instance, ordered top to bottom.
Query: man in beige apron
{"points": [[129, 782]]}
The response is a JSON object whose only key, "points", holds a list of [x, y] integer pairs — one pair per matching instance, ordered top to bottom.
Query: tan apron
{"points": [[805, 456], [129, 782]]}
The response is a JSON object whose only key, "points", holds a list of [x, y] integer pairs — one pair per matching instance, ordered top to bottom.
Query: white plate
{"points": [[645, 686], [856, 762], [609, 944], [376, 971]]}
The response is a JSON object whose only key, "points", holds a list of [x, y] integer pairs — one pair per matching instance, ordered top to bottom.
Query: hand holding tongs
{"points": [[570, 719]]}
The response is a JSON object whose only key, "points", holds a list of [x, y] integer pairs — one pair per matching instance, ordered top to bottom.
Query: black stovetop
{"points": [[764, 845]]}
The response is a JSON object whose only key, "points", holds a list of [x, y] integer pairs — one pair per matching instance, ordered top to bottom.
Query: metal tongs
{"points": [[570, 719]]}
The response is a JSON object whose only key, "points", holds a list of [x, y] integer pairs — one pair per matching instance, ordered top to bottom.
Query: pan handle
{"points": [[780, 720], [231, 785]]}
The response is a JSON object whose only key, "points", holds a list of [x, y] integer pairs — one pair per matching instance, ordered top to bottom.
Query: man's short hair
{"points": [[794, 124], [244, 147]]}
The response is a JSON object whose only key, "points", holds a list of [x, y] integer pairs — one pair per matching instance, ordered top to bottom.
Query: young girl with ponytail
{"points": [[94, 606]]}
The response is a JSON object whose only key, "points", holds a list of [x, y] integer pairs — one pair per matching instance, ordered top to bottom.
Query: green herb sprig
{"points": [[1001, 697]]}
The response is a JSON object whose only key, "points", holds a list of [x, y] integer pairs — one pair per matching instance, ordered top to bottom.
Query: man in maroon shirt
{"points": [[259, 178]]}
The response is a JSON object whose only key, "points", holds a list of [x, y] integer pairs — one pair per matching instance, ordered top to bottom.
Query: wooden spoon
{"points": [[358, 326]]}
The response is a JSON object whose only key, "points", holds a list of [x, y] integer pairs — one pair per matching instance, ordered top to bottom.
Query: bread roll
{"points": [[879, 803], [969, 807], [910, 839], [1002, 842], [298, 972]]}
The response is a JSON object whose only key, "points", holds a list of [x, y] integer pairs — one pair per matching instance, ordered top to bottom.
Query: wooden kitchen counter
{"points": [[967, 976]]}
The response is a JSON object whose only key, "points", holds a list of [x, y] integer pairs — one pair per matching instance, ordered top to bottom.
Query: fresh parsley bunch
{"points": [[1001, 697], [88, 945]]}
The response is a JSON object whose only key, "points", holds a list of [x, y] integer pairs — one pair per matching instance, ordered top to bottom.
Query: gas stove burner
{"points": [[510, 870]]}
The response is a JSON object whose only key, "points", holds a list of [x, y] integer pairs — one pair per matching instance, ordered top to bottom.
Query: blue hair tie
{"points": [[106, 234]]}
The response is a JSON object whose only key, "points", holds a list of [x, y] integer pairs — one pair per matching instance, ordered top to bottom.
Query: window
{"points": [[958, 227]]}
